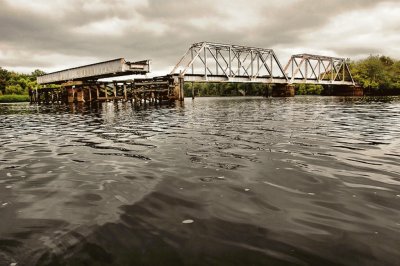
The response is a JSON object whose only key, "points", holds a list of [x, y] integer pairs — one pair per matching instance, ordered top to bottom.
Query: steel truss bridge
{"points": [[202, 62], [214, 62]]}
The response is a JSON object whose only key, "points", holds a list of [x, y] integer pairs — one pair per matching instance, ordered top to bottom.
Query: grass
{"points": [[12, 98]]}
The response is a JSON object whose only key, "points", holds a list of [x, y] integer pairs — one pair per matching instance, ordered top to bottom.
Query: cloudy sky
{"points": [[57, 34]]}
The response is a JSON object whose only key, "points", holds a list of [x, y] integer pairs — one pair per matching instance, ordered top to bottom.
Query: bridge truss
{"points": [[215, 62], [316, 69]]}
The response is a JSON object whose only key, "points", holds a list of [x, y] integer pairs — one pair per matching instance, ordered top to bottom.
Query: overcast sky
{"points": [[57, 34]]}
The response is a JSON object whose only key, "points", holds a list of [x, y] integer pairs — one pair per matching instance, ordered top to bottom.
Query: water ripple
{"points": [[299, 181]]}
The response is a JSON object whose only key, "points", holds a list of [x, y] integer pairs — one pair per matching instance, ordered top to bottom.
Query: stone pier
{"points": [[283, 90], [347, 90]]}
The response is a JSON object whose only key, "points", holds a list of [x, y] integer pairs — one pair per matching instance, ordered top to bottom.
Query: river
{"points": [[216, 181]]}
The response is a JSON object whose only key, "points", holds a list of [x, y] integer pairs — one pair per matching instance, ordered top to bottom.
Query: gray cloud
{"points": [[162, 30]]}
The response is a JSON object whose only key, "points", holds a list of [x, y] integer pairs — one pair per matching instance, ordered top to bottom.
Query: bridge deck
{"points": [[112, 68], [266, 79]]}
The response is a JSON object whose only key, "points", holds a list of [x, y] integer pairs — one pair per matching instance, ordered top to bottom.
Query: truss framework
{"points": [[217, 62], [316, 69]]}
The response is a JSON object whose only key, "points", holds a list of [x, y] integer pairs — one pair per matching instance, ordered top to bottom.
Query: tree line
{"points": [[378, 75], [17, 83]]}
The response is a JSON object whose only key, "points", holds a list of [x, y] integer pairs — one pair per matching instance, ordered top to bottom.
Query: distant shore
{"points": [[12, 98]]}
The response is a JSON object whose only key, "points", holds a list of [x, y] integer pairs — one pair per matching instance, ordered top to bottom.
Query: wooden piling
{"points": [[125, 93]]}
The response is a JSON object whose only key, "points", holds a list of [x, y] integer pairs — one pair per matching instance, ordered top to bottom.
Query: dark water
{"points": [[220, 181]]}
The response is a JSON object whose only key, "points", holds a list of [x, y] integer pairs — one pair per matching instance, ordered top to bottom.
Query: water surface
{"points": [[218, 181]]}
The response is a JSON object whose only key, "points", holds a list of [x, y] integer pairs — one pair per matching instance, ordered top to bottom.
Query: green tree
{"points": [[373, 72], [36, 73], [4, 77], [14, 89]]}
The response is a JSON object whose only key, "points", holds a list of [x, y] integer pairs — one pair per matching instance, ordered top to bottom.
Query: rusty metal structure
{"points": [[202, 62]]}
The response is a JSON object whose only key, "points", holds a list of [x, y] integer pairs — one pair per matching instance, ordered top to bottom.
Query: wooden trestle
{"points": [[139, 91]]}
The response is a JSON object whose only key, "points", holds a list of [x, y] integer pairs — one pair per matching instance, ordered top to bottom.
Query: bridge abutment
{"points": [[283, 90], [341, 90]]}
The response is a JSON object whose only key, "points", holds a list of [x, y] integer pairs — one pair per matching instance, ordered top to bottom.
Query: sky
{"points": [[58, 34]]}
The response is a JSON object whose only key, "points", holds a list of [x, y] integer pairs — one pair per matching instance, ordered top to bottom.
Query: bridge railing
{"points": [[215, 62], [316, 69]]}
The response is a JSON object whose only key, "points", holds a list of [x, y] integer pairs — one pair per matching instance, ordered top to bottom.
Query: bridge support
{"points": [[178, 88], [283, 90], [347, 91], [71, 94], [80, 95]]}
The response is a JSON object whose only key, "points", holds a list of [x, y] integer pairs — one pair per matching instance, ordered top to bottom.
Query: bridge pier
{"points": [[178, 88], [283, 90], [342, 90], [71, 94], [80, 95]]}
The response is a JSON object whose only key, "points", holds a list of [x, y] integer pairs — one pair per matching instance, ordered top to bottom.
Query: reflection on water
{"points": [[218, 181]]}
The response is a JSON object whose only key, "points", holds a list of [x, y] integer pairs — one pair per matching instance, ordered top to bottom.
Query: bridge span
{"points": [[202, 62]]}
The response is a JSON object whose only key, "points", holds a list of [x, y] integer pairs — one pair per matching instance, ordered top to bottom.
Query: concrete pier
{"points": [[283, 90], [347, 91]]}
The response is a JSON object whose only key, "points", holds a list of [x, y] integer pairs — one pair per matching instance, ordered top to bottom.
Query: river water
{"points": [[218, 181]]}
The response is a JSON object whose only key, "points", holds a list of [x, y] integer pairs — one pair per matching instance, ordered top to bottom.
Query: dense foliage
{"points": [[378, 74], [16, 83]]}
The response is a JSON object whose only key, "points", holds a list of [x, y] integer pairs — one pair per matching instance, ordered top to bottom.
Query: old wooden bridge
{"points": [[203, 62]]}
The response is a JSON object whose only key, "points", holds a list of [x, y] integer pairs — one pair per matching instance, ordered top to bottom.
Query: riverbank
{"points": [[14, 98]]}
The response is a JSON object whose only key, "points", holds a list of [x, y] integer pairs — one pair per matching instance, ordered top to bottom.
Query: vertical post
{"points": [[191, 51], [205, 61], [216, 61], [252, 61], [271, 61], [230, 62], [239, 64], [344, 66], [332, 68], [319, 69], [306, 70], [292, 77], [115, 90], [192, 90], [105, 91], [132, 91], [97, 92], [181, 92], [90, 93], [71, 94], [80, 94], [125, 94]]}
